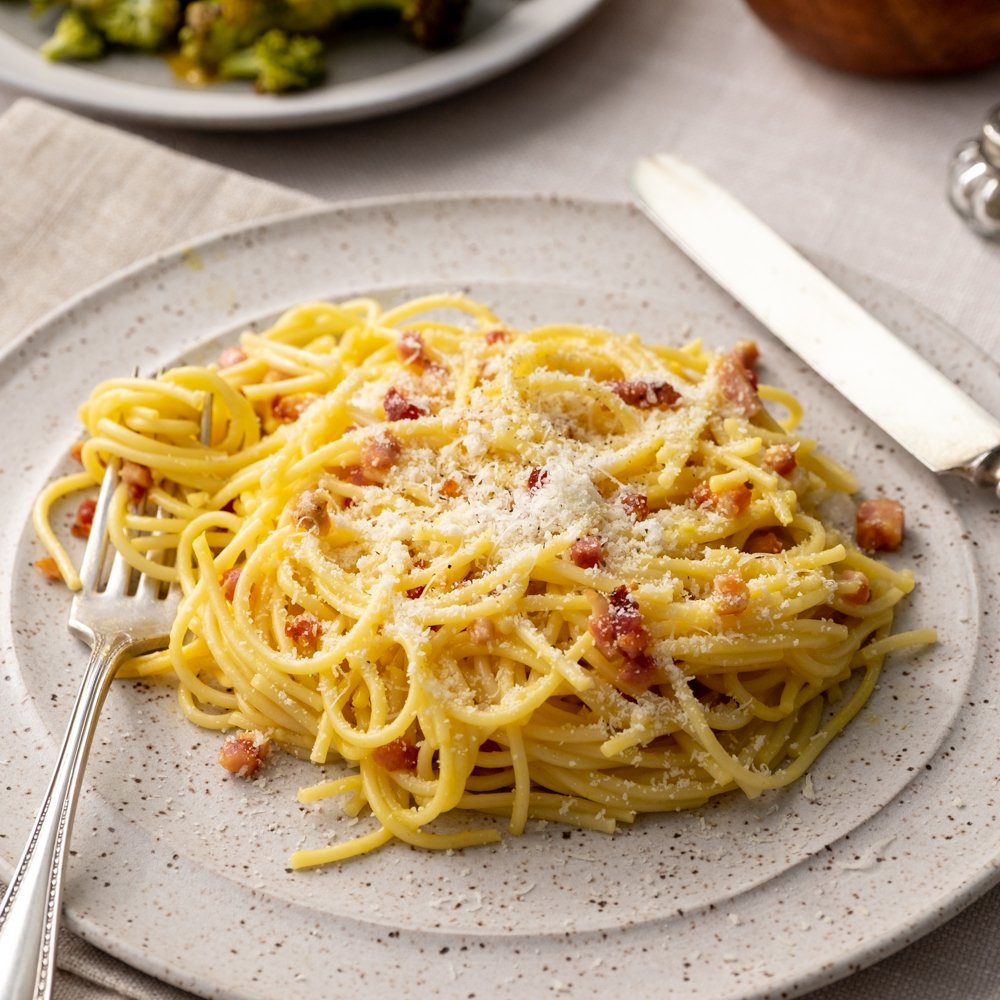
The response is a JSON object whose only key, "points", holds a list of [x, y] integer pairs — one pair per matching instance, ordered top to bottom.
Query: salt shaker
{"points": [[974, 179]]}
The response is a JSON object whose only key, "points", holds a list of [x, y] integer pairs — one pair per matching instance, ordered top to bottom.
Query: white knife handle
{"points": [[919, 406]]}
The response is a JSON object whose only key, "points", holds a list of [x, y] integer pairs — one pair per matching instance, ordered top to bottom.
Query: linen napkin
{"points": [[79, 201]]}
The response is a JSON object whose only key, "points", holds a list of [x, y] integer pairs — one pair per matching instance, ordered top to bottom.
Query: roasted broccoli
{"points": [[133, 24], [86, 28], [214, 30], [74, 38], [273, 42], [278, 62]]}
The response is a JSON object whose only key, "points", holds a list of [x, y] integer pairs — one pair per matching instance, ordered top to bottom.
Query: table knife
{"points": [[883, 377]]}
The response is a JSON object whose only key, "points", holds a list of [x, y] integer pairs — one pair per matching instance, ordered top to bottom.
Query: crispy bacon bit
{"points": [[497, 337], [411, 349], [747, 353], [231, 356], [737, 384], [644, 394], [398, 407], [288, 409], [76, 451], [380, 452], [780, 458], [352, 474], [537, 478], [137, 479], [450, 489], [702, 495], [729, 503], [732, 503], [636, 505], [311, 511], [84, 519], [879, 525], [764, 543], [587, 552], [49, 568], [228, 582], [853, 586], [414, 592], [730, 594], [621, 598], [602, 624], [618, 625], [305, 627], [630, 627], [618, 628], [482, 631], [636, 673], [244, 753], [396, 756]]}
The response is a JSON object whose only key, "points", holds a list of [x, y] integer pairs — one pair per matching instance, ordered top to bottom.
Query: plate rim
{"points": [[933, 913]]}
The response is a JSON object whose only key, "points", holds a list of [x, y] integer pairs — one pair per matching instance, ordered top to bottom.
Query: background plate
{"points": [[370, 73], [183, 873]]}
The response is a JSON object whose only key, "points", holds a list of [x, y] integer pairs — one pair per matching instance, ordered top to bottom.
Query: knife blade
{"points": [[883, 377]]}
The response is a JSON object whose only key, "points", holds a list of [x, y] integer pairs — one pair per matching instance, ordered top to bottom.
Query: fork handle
{"points": [[29, 914]]}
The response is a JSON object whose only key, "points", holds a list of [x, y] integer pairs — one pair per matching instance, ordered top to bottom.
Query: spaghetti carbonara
{"points": [[552, 574]]}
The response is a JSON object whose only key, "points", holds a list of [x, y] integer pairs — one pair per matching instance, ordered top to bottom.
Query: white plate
{"points": [[370, 73], [182, 872]]}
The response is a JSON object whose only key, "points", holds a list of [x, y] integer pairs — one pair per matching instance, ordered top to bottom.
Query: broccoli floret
{"points": [[135, 24], [140, 24], [214, 30], [74, 38], [278, 62]]}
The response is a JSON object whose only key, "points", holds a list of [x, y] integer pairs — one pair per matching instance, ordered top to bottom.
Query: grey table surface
{"points": [[848, 166]]}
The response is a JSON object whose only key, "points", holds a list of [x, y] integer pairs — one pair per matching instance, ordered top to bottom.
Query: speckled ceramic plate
{"points": [[370, 73], [183, 873]]}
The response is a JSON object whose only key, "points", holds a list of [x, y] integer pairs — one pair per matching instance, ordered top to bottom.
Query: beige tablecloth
{"points": [[835, 163]]}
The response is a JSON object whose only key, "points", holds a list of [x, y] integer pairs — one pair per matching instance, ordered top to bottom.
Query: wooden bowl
{"points": [[888, 37]]}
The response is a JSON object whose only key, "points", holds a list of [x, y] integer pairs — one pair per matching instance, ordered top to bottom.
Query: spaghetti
{"points": [[551, 574]]}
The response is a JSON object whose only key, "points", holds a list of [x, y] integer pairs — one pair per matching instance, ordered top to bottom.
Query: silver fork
{"points": [[116, 619]]}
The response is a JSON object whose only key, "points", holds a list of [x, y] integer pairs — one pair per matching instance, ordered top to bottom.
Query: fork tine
{"points": [[206, 419], [97, 543], [119, 576], [149, 587]]}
